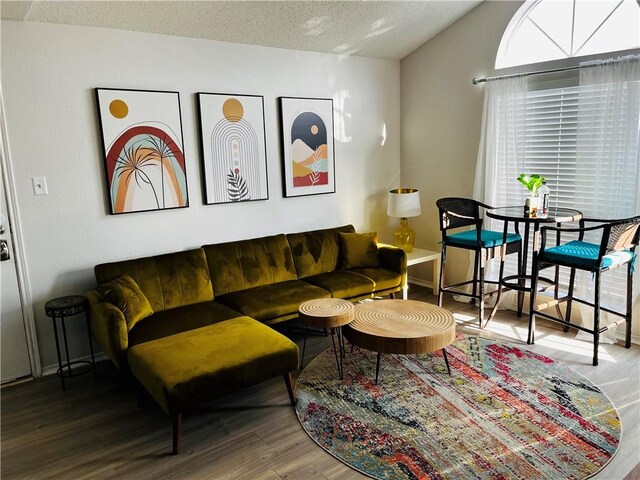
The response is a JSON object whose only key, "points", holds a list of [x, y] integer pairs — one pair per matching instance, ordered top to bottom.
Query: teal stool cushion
{"points": [[488, 239], [585, 255]]}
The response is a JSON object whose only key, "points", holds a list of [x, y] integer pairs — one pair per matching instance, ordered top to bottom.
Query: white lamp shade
{"points": [[403, 202]]}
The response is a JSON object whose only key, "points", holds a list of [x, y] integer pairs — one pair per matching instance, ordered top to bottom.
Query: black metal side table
{"points": [[59, 308]]}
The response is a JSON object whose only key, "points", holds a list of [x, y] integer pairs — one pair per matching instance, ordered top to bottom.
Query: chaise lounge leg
{"points": [[288, 383], [176, 420]]}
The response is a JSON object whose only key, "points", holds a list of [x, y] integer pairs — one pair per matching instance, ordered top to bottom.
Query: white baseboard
{"points": [[419, 281], [634, 338], [52, 369]]}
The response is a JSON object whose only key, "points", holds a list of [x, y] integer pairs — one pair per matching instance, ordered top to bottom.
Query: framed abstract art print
{"points": [[307, 146], [233, 148], [143, 149]]}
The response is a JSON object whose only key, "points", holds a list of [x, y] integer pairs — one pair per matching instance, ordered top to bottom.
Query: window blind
{"points": [[550, 122]]}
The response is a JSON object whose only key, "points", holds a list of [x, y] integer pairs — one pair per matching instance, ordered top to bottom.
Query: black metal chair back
{"points": [[458, 212], [622, 234]]}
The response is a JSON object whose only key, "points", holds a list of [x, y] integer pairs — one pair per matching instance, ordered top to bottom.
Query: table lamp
{"points": [[403, 203]]}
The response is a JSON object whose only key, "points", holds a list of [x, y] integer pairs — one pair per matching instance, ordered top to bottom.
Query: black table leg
{"points": [[534, 253], [523, 268], [55, 332], [341, 342], [66, 345], [337, 354], [446, 360], [377, 367]]}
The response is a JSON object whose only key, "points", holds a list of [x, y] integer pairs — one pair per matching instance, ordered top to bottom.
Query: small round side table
{"points": [[59, 308], [330, 313]]}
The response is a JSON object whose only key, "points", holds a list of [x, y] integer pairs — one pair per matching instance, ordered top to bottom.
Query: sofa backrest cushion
{"points": [[359, 250], [317, 251], [236, 266], [168, 281]]}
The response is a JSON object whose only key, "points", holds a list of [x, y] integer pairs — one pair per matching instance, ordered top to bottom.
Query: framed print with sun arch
{"points": [[307, 146], [143, 149], [234, 154]]}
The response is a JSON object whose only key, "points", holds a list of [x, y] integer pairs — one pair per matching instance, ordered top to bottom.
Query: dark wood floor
{"points": [[95, 430]]}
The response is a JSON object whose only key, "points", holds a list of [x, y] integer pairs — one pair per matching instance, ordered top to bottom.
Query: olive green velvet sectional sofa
{"points": [[168, 318]]}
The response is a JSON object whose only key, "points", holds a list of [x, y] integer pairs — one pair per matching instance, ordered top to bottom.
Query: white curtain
{"points": [[502, 141], [501, 157], [608, 175]]}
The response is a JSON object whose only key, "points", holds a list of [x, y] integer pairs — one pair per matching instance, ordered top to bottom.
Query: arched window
{"points": [[550, 30]]}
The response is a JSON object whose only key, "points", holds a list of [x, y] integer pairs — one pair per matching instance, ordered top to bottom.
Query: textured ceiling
{"points": [[379, 29]]}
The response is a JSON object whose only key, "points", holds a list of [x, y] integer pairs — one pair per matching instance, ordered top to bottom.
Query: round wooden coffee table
{"points": [[325, 313], [401, 327]]}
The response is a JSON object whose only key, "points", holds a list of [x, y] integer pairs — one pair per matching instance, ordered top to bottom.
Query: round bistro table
{"points": [[515, 214], [325, 313], [401, 327]]}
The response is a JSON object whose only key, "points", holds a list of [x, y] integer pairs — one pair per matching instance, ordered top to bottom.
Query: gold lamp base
{"points": [[404, 237]]}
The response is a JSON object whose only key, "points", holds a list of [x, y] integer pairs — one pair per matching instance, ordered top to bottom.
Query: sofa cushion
{"points": [[359, 249], [317, 251], [245, 264], [382, 278], [168, 281], [343, 284], [125, 294], [270, 301], [181, 319], [192, 367]]}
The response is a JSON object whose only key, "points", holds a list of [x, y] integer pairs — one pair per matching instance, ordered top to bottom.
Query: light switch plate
{"points": [[39, 185]]}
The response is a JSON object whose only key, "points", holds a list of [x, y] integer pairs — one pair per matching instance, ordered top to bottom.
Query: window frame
{"points": [[514, 25]]}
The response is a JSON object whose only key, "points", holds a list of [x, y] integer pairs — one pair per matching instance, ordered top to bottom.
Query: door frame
{"points": [[15, 230]]}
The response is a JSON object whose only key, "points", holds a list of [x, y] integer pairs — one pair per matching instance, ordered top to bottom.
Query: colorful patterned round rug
{"points": [[503, 413]]}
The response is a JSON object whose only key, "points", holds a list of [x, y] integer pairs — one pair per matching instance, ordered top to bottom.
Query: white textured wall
{"points": [[48, 76], [441, 118]]}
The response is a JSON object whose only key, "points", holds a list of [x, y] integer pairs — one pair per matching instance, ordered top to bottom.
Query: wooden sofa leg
{"points": [[287, 381], [176, 419]]}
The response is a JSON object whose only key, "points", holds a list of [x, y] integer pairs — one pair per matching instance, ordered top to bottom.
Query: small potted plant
{"points": [[533, 183]]}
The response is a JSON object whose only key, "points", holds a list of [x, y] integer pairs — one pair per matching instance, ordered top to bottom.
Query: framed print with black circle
{"points": [[308, 156]]}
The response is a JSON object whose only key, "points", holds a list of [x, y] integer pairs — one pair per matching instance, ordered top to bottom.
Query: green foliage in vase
{"points": [[532, 182]]}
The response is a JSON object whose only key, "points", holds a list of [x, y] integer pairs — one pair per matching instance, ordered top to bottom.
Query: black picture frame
{"points": [[233, 145], [308, 146], [143, 149]]}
